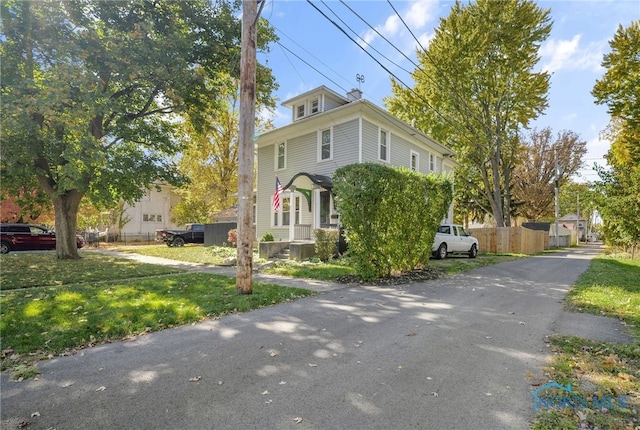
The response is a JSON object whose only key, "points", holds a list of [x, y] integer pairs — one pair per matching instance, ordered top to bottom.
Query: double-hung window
{"points": [[315, 106], [300, 111], [383, 145], [325, 146], [281, 156], [415, 161], [432, 163]]}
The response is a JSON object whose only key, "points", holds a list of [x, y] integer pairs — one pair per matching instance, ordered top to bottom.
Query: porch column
{"points": [[316, 207], [292, 214]]}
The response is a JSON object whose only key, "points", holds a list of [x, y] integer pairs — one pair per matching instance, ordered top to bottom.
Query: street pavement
{"points": [[454, 353]]}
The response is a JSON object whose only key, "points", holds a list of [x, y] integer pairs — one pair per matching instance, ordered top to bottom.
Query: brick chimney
{"points": [[354, 94]]}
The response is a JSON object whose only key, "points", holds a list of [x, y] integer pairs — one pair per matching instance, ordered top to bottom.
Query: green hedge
{"points": [[390, 216]]}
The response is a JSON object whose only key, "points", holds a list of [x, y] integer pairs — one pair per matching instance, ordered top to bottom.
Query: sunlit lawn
{"points": [[214, 255], [27, 270], [611, 286], [59, 306]]}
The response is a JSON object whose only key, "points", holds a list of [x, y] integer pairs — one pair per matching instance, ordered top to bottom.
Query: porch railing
{"points": [[302, 232]]}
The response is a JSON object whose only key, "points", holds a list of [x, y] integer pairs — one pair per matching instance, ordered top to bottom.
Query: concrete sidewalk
{"points": [[453, 353]]}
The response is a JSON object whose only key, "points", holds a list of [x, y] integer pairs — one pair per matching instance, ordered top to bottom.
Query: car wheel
{"points": [[178, 241], [4, 248], [442, 251], [473, 252]]}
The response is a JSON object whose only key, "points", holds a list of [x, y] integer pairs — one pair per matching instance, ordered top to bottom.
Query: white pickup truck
{"points": [[452, 239]]}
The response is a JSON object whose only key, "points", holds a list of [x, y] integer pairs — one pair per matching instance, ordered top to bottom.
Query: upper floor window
{"points": [[315, 106], [300, 111], [383, 145], [325, 148], [281, 156], [415, 161], [432, 163]]}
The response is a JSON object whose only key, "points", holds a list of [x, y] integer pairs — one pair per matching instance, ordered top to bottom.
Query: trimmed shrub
{"points": [[390, 216], [267, 237], [326, 243]]}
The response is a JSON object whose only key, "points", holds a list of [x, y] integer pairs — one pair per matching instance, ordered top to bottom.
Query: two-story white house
{"points": [[329, 131]]}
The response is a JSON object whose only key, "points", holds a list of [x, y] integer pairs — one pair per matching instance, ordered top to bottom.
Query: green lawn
{"points": [[214, 255], [611, 286], [56, 307]]}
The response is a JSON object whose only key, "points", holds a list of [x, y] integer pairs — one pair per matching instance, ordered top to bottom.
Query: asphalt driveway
{"points": [[455, 353]]}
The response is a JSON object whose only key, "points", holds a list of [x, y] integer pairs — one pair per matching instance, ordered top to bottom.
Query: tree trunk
{"points": [[66, 210]]}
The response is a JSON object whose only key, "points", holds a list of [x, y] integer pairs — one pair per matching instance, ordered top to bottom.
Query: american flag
{"points": [[276, 195]]}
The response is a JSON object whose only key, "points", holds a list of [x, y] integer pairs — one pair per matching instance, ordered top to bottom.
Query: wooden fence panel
{"points": [[516, 240]]}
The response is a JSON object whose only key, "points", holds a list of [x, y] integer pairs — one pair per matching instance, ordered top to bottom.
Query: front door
{"points": [[325, 208]]}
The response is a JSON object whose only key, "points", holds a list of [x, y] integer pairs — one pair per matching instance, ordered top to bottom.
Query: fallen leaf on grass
{"points": [[273, 353], [625, 376], [195, 379], [102, 388], [35, 414], [297, 420], [23, 424]]}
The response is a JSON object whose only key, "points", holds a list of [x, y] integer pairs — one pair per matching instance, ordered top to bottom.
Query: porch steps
{"points": [[284, 254]]}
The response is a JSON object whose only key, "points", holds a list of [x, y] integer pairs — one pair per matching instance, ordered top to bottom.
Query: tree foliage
{"points": [[475, 87], [92, 91], [210, 159], [535, 174], [619, 186], [390, 216]]}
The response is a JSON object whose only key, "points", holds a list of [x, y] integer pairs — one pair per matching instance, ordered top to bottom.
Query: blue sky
{"points": [[573, 54]]}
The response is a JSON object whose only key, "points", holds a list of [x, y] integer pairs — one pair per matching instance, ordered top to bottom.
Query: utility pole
{"points": [[555, 157], [244, 284]]}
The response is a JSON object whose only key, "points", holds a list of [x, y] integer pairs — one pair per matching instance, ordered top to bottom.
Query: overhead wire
{"points": [[383, 66]]}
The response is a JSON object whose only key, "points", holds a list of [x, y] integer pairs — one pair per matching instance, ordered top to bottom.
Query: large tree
{"points": [[475, 87], [92, 91], [535, 174], [619, 185]]}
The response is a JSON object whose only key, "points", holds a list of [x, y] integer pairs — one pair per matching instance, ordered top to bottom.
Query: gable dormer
{"points": [[313, 102]]}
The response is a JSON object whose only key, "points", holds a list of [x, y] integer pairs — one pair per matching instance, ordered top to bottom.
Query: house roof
{"points": [[316, 91], [332, 115], [571, 217]]}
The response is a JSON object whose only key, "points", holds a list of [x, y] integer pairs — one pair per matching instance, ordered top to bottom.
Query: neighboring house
{"points": [[329, 131], [150, 213], [574, 222]]}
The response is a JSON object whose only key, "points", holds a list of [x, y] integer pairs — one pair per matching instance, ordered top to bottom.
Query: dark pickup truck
{"points": [[194, 233]]}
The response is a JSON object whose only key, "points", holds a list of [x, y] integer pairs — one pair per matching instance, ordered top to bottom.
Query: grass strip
{"points": [[27, 270], [50, 321], [600, 374]]}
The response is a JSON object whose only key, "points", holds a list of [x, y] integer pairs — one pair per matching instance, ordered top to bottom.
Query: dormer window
{"points": [[315, 106], [300, 111]]}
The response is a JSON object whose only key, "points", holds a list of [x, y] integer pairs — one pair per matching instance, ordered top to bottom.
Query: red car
{"points": [[26, 237]]}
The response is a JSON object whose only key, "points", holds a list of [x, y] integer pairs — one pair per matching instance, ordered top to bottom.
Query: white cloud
{"points": [[420, 13], [416, 16], [569, 55]]}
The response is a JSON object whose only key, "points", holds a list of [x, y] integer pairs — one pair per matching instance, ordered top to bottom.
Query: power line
{"points": [[313, 56], [305, 62], [383, 66]]}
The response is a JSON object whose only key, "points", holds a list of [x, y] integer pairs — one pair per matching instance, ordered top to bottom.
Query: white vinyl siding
{"points": [[369, 142]]}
